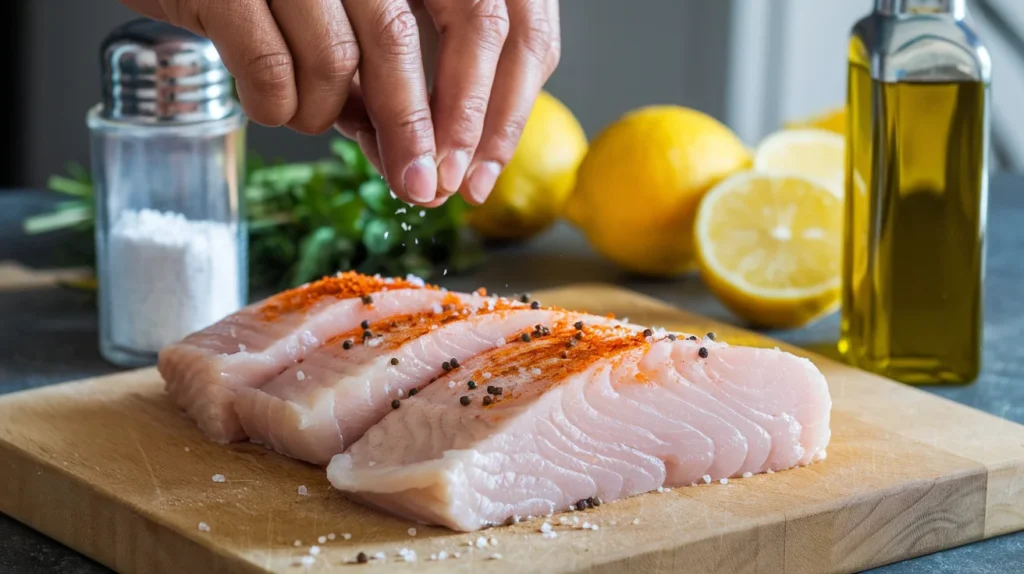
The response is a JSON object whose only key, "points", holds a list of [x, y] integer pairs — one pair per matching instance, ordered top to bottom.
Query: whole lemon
{"points": [[638, 188], [531, 191]]}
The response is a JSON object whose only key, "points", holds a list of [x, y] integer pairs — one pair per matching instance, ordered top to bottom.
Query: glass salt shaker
{"points": [[168, 149]]}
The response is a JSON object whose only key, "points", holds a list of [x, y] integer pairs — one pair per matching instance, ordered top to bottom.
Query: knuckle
{"points": [[490, 20], [398, 34], [534, 38], [337, 62], [271, 74], [469, 120], [417, 122], [507, 137]]}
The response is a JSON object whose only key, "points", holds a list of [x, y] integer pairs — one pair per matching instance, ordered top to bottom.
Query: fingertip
{"points": [[451, 171], [419, 180], [481, 180]]}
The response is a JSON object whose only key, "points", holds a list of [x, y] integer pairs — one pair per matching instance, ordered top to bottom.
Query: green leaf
{"points": [[347, 150], [79, 173], [70, 186], [378, 197], [347, 213], [53, 221], [380, 236], [313, 255]]}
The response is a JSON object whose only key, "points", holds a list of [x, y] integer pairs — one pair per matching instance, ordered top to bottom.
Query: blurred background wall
{"points": [[750, 63]]}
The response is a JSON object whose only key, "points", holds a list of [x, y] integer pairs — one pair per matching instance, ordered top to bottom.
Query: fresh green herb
{"points": [[306, 220]]}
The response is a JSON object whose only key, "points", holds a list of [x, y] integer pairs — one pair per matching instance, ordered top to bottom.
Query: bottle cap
{"points": [[153, 72]]}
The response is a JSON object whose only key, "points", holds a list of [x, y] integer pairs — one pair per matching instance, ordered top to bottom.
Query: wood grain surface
{"points": [[110, 468]]}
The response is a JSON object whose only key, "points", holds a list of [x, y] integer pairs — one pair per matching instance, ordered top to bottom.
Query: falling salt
{"points": [[400, 211], [423, 213], [386, 234], [445, 272], [171, 276], [300, 376], [218, 478], [303, 491], [204, 527], [314, 550]]}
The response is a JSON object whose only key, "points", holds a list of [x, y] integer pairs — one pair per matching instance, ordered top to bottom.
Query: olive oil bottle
{"points": [[916, 190]]}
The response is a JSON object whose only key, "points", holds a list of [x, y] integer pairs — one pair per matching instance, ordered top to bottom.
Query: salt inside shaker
{"points": [[168, 148]]}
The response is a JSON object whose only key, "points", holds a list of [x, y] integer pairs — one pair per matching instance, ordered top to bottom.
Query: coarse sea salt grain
{"points": [[171, 276], [374, 342], [241, 348], [535, 371], [487, 375], [300, 376], [451, 384], [770, 471], [748, 474], [218, 478], [706, 478], [724, 481], [303, 491], [636, 521], [204, 527], [546, 527], [412, 532], [551, 534], [331, 536], [346, 536], [322, 539], [297, 543], [314, 550], [495, 556]]}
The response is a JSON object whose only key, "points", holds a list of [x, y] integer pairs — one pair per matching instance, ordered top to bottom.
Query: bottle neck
{"points": [[956, 8]]}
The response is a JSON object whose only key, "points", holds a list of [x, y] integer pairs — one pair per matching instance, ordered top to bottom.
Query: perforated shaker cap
{"points": [[153, 72]]}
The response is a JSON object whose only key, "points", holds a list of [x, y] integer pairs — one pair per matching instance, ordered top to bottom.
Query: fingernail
{"points": [[452, 170], [420, 179], [481, 181]]}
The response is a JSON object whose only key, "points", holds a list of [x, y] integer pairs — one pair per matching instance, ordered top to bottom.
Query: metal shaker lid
{"points": [[153, 72]]}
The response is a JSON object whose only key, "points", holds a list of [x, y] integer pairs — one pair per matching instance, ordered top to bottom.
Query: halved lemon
{"points": [[812, 153], [769, 247]]}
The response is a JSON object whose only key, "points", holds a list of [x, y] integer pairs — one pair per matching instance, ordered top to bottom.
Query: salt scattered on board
{"points": [[303, 491]]}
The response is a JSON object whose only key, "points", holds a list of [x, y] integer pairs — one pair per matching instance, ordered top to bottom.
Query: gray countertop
{"points": [[49, 336]]}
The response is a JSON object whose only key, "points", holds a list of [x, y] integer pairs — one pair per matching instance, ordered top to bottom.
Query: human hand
{"points": [[294, 62]]}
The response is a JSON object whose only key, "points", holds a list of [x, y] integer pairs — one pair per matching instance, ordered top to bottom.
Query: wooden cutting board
{"points": [[110, 468]]}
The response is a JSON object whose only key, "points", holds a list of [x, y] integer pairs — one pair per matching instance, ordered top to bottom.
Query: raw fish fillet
{"points": [[203, 372], [316, 407], [622, 414]]}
